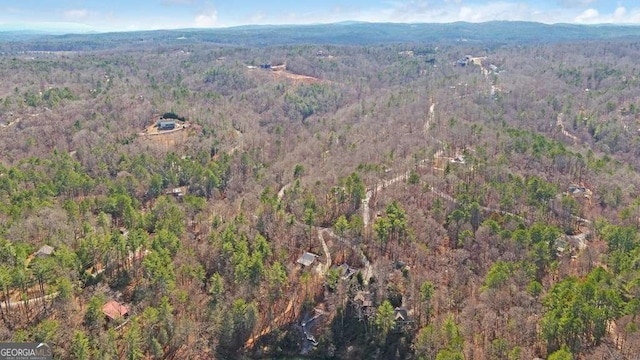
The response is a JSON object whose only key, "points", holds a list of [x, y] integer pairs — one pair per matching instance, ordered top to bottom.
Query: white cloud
{"points": [[406, 11], [451, 11], [620, 12], [76, 13], [466, 13], [621, 15], [588, 16], [209, 19]]}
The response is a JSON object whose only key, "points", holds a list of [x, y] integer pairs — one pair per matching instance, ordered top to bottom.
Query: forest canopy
{"points": [[384, 197]]}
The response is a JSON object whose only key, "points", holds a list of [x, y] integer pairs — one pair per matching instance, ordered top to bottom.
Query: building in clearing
{"points": [[166, 125]]}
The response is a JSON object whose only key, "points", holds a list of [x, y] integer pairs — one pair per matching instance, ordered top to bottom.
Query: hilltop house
{"points": [[166, 125]]}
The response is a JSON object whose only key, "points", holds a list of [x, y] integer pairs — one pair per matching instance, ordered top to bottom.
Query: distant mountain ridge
{"points": [[47, 28], [344, 33]]}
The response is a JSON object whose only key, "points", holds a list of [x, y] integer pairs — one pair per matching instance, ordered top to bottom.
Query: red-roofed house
{"points": [[113, 310]]}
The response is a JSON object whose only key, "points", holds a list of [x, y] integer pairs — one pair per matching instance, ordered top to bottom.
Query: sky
{"points": [[129, 15]]}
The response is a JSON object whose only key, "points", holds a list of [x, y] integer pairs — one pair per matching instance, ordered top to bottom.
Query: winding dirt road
{"points": [[560, 124], [366, 219], [325, 248], [3, 305]]}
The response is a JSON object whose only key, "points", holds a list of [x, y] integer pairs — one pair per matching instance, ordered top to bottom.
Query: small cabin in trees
{"points": [[464, 61], [166, 125], [459, 159], [178, 192], [578, 192], [45, 251], [307, 259], [346, 271], [364, 299], [363, 305], [113, 310], [401, 316]]}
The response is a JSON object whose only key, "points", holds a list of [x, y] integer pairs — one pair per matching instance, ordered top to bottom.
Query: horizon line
{"points": [[65, 28]]}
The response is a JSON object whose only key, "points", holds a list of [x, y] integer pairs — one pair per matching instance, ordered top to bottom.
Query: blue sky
{"points": [[125, 15]]}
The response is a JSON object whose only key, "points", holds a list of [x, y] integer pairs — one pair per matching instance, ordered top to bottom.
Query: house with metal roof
{"points": [[166, 125], [45, 251], [307, 259]]}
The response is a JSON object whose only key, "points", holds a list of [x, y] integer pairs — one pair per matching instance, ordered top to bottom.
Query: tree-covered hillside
{"points": [[488, 34], [409, 200]]}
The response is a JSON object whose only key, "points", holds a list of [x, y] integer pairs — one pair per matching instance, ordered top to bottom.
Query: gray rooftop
{"points": [[45, 250], [307, 259]]}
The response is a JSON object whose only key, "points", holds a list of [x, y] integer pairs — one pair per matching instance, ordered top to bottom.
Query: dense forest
{"points": [[399, 200]]}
